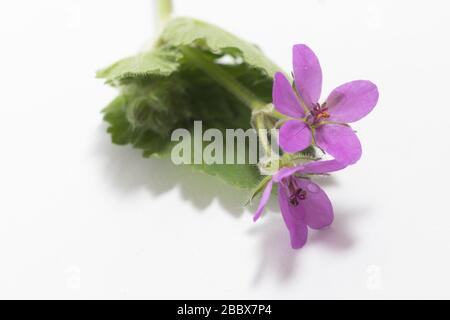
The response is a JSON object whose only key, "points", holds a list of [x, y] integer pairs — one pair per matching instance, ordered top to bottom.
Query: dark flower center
{"points": [[318, 113], [296, 194]]}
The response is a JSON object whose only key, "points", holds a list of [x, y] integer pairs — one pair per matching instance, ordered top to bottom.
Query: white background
{"points": [[82, 218]]}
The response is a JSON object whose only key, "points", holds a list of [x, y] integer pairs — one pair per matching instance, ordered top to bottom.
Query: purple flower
{"points": [[326, 123], [303, 203]]}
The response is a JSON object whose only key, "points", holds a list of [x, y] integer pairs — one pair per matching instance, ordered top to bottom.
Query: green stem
{"points": [[165, 9], [222, 77], [262, 134]]}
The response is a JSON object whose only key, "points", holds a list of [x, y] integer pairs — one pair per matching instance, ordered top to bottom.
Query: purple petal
{"points": [[307, 74], [284, 98], [352, 101], [295, 136], [339, 141], [323, 166], [318, 167], [286, 172], [264, 199], [317, 206], [294, 220]]}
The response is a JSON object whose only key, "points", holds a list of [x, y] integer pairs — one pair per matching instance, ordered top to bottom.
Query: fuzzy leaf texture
{"points": [[161, 91]]}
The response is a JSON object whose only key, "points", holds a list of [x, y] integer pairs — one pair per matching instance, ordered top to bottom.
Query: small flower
{"points": [[326, 123], [303, 203]]}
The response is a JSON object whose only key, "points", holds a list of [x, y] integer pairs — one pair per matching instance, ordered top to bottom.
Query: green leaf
{"points": [[191, 32], [150, 64], [161, 91], [119, 127], [122, 132], [152, 143], [239, 175]]}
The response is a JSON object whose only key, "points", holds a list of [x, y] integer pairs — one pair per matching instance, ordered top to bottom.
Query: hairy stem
{"points": [[262, 134]]}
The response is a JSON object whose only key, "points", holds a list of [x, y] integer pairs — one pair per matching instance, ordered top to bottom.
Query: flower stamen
{"points": [[320, 112], [296, 194]]}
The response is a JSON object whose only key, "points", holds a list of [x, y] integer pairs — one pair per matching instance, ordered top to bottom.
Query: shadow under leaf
{"points": [[129, 171]]}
